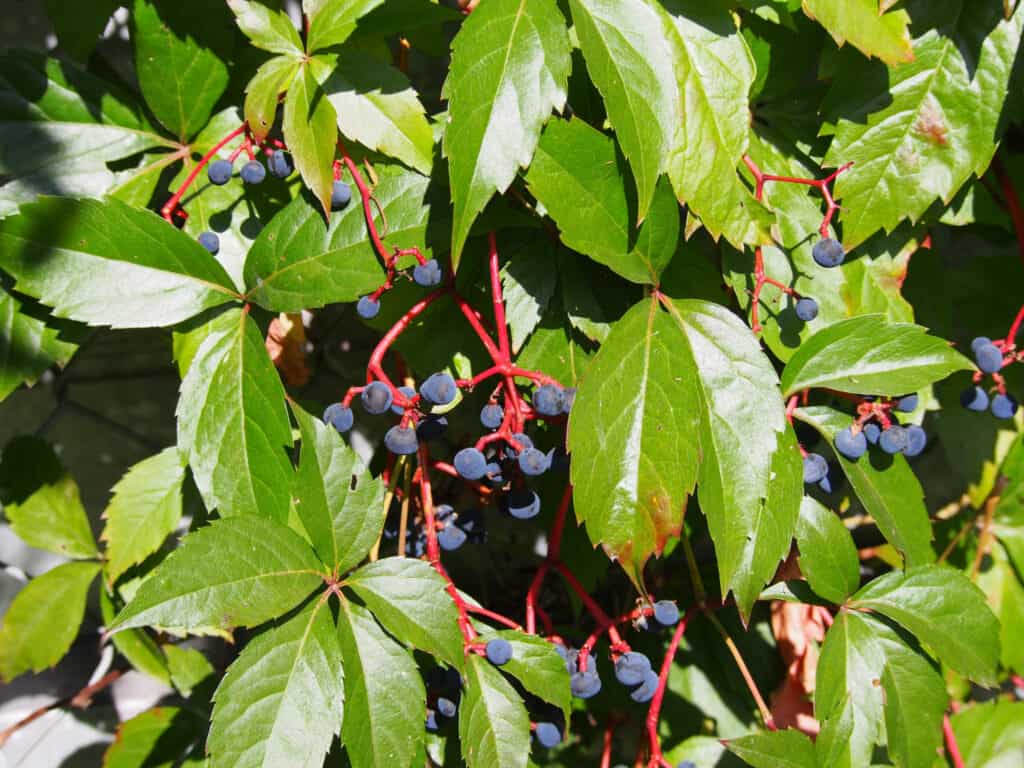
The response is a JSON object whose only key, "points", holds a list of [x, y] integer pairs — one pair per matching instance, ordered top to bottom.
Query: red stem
{"points": [[1013, 204], [168, 210], [497, 299], [480, 610], [654, 713], [951, 746]]}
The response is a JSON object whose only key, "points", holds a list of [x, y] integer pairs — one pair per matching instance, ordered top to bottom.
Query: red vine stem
{"points": [[1013, 204], [169, 208], [951, 746], [657, 760]]}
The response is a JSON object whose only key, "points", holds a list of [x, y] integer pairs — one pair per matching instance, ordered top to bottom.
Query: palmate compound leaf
{"points": [[865, 25], [269, 29], [510, 69], [261, 94], [918, 132], [106, 263], [869, 355], [659, 410], [233, 426], [890, 493], [340, 503], [144, 510], [238, 572], [408, 597], [945, 610], [42, 622], [870, 672], [281, 700], [385, 700], [494, 726]]}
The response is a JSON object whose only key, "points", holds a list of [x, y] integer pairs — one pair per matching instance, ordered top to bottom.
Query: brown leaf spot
{"points": [[931, 123]]}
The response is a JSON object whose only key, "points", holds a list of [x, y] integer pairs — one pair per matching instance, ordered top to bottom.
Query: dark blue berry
{"points": [[280, 164], [219, 172], [253, 172], [341, 194], [210, 242], [828, 252], [427, 274], [367, 308], [807, 309], [978, 342], [989, 358], [439, 389], [409, 393], [376, 398], [570, 398], [974, 399], [548, 400], [907, 403], [1004, 406], [491, 415], [339, 417], [431, 428], [872, 432], [917, 439], [401, 440], [894, 440], [524, 442], [850, 445], [533, 462], [470, 463], [815, 468], [494, 473], [825, 484], [523, 504], [443, 511], [451, 538], [666, 613], [499, 651], [630, 668], [585, 685], [645, 692], [446, 707], [431, 721], [548, 735], [687, 764]]}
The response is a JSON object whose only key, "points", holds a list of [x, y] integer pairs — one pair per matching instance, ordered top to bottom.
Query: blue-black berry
{"points": [[280, 164], [219, 172], [253, 172], [341, 194], [210, 242], [828, 252], [427, 274], [367, 307], [807, 309], [978, 342], [989, 358], [439, 389], [409, 393], [376, 398], [570, 398], [974, 399], [548, 400], [907, 403], [1004, 406], [491, 415], [339, 417], [872, 432], [917, 439], [401, 440], [894, 440], [850, 445], [533, 462], [470, 463], [815, 468], [523, 504], [451, 538], [666, 613], [499, 651], [630, 668], [585, 685], [645, 692], [446, 707], [431, 722], [548, 735]]}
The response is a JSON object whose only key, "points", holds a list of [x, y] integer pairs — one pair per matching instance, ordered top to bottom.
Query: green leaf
{"points": [[332, 21], [79, 26], [866, 26], [269, 29], [178, 50], [630, 59], [509, 68], [715, 71], [270, 81], [378, 107], [60, 127], [311, 132], [917, 132], [581, 180], [299, 262], [106, 263], [528, 281], [28, 344], [870, 356], [659, 379], [233, 426], [631, 434], [889, 492], [340, 503], [144, 510], [53, 518], [828, 556], [238, 572], [1005, 592], [409, 598], [946, 612], [42, 622], [135, 645], [857, 650], [537, 665], [188, 667], [281, 700], [385, 701], [915, 702], [494, 727], [990, 734], [158, 738], [775, 749]]}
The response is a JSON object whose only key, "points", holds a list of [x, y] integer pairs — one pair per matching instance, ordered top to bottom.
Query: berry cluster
{"points": [[991, 357]]}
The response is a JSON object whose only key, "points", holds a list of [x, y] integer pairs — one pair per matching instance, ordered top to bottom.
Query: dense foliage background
{"points": [[630, 203]]}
